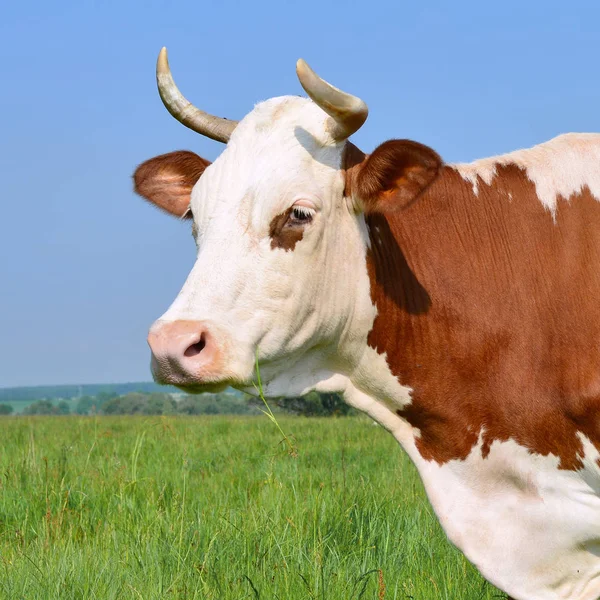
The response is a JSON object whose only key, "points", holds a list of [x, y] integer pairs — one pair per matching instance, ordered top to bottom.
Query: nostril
{"points": [[196, 348]]}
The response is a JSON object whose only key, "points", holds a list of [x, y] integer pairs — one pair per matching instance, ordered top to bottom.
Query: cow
{"points": [[458, 305]]}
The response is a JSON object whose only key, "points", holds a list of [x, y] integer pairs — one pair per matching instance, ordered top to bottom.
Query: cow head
{"points": [[280, 274]]}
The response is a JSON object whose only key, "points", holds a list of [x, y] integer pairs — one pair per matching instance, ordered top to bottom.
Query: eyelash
{"points": [[301, 215]]}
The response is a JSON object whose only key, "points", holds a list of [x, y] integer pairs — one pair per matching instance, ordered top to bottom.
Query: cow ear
{"points": [[395, 174], [167, 180]]}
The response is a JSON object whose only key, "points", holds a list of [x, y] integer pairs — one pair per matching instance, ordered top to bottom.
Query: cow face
{"points": [[280, 272]]}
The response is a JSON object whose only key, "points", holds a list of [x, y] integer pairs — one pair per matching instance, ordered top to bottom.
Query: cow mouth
{"points": [[191, 384], [202, 388]]}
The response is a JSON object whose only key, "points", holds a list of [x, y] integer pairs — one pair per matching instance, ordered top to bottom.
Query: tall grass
{"points": [[218, 508]]}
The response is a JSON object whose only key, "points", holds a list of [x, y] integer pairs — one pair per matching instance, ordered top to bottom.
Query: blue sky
{"points": [[86, 266]]}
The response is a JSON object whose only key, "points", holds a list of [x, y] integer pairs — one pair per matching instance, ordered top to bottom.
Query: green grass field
{"points": [[216, 507]]}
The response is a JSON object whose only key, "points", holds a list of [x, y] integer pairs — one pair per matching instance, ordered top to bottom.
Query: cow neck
{"points": [[480, 302]]}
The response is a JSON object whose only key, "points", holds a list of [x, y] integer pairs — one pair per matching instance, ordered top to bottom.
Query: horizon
{"points": [[90, 265], [88, 384]]}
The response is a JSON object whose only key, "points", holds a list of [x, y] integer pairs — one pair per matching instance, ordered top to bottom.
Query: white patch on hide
{"points": [[560, 167], [530, 528]]}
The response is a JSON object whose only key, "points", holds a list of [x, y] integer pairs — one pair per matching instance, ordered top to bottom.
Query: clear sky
{"points": [[86, 266]]}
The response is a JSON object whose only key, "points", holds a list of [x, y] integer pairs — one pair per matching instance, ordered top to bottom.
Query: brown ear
{"points": [[395, 174], [167, 180]]}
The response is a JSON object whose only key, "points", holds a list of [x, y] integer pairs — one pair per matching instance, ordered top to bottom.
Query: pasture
{"points": [[218, 508]]}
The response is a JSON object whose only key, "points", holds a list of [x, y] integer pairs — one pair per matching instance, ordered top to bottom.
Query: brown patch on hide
{"points": [[282, 234], [490, 311]]}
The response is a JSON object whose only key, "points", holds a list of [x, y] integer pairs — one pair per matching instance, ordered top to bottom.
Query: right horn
{"points": [[348, 111], [216, 128]]}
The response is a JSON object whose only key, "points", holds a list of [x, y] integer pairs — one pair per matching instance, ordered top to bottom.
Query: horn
{"points": [[348, 112], [216, 128]]}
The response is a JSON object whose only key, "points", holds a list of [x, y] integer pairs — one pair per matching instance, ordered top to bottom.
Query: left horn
{"points": [[348, 111], [185, 112]]}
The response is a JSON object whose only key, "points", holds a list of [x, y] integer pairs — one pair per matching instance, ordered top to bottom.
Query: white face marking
{"points": [[559, 167], [301, 308]]}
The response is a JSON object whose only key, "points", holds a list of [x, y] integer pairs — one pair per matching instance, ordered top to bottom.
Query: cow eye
{"points": [[301, 215]]}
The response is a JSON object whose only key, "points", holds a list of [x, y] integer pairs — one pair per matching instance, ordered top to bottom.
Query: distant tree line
{"points": [[69, 392], [156, 403], [165, 404], [316, 405], [45, 407]]}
